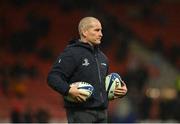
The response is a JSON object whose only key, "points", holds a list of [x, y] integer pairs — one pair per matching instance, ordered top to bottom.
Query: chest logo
{"points": [[85, 62]]}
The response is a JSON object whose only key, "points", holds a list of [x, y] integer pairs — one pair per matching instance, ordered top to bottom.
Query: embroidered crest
{"points": [[85, 62]]}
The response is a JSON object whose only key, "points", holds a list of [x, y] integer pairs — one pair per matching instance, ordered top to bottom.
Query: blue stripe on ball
{"points": [[86, 88]]}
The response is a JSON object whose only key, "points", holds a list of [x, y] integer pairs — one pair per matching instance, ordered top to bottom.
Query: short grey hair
{"points": [[85, 23]]}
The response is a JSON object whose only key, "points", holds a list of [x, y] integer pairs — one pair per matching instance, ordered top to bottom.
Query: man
{"points": [[82, 60]]}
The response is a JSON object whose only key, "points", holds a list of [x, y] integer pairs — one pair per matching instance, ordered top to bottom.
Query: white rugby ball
{"points": [[112, 81], [84, 87]]}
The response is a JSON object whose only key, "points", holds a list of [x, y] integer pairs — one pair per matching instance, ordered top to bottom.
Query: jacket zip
{"points": [[99, 75]]}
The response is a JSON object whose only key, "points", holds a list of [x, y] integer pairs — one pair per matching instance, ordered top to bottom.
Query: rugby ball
{"points": [[112, 81], [84, 87]]}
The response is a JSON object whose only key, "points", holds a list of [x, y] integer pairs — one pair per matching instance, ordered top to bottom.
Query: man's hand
{"points": [[119, 92], [77, 94]]}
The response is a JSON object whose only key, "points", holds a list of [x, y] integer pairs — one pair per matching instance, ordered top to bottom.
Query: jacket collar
{"points": [[77, 42]]}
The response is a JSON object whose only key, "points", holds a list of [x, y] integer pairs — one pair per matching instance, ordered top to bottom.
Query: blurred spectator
{"points": [[18, 3], [67, 5], [146, 12], [39, 25], [2, 32], [24, 41], [158, 45], [122, 50], [45, 53], [174, 53], [18, 69], [33, 71], [137, 76], [4, 79], [5, 85], [145, 105], [177, 108], [167, 109], [123, 112], [16, 113], [154, 113], [28, 115], [15, 116], [42, 116]]}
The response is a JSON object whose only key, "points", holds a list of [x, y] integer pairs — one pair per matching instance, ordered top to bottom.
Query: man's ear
{"points": [[84, 33]]}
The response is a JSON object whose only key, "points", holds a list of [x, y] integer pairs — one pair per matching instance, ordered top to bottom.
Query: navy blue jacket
{"points": [[81, 62]]}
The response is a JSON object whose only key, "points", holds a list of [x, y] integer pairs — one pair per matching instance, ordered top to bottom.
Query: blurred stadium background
{"points": [[141, 39]]}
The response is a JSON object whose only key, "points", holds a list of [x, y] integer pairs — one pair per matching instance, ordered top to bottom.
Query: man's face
{"points": [[94, 33]]}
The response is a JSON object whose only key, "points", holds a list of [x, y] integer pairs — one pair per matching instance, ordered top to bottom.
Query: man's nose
{"points": [[100, 34]]}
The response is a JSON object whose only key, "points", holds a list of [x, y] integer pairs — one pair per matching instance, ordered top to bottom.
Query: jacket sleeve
{"points": [[61, 72]]}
